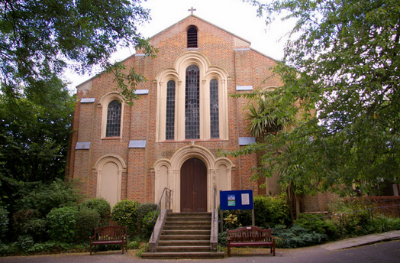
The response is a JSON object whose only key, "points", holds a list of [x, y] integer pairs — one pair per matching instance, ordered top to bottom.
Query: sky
{"points": [[235, 16]]}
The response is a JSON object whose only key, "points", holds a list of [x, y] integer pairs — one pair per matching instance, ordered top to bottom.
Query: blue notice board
{"points": [[232, 200]]}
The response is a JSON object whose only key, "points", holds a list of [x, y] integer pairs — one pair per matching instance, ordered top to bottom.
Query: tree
{"points": [[40, 39], [341, 63], [34, 135]]}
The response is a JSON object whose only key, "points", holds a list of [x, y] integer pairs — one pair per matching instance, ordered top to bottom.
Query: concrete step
{"points": [[192, 216], [188, 221], [186, 227], [186, 232], [185, 237], [184, 243], [183, 248], [180, 255]]}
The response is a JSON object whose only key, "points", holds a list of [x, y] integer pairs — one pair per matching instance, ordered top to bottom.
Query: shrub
{"points": [[46, 197], [100, 205], [142, 211], [270, 211], [124, 214], [235, 218], [352, 218], [88, 220], [3, 221], [29, 222], [232, 222], [382, 223], [62, 224], [318, 224], [147, 226], [36, 227], [296, 236], [222, 239], [25, 242], [133, 245], [49, 246], [9, 249]]}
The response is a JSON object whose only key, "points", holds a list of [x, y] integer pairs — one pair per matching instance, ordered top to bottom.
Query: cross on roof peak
{"points": [[191, 9]]}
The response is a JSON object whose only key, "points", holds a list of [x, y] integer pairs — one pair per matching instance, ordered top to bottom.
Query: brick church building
{"points": [[185, 114]]}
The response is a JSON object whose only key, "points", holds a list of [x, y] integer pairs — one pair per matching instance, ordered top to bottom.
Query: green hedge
{"points": [[100, 205], [124, 214], [62, 224]]}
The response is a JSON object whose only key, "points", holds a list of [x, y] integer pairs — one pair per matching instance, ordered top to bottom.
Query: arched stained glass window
{"points": [[192, 37], [192, 103], [214, 111], [113, 119], [170, 121]]}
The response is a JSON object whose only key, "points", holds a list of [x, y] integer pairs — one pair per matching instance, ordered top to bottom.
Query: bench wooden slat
{"points": [[250, 236]]}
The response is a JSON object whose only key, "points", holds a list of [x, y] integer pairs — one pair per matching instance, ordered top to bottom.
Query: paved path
{"points": [[365, 250]]}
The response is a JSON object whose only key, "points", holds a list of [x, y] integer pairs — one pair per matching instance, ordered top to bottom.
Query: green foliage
{"points": [[39, 41], [341, 88], [264, 117], [34, 135], [33, 141], [46, 197], [100, 205], [143, 209], [270, 211], [124, 213], [352, 217], [88, 220], [3, 221], [29, 222], [232, 222], [62, 223], [382, 223], [317, 224], [147, 226], [36, 227], [296, 236], [222, 239], [25, 242], [133, 245], [49, 247], [9, 249], [139, 253]]}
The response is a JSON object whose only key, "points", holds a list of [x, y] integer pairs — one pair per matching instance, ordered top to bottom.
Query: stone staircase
{"points": [[185, 235]]}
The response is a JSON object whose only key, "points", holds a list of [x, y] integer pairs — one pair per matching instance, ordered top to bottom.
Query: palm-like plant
{"points": [[262, 118]]}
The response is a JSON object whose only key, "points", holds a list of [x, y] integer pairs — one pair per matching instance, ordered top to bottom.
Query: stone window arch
{"points": [[192, 41], [206, 75], [192, 103], [214, 109], [170, 113], [112, 115], [113, 126]]}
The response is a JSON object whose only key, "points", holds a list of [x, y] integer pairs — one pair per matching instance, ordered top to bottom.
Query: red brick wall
{"points": [[245, 68]]}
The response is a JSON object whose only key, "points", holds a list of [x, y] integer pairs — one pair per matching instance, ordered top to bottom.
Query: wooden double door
{"points": [[193, 186]]}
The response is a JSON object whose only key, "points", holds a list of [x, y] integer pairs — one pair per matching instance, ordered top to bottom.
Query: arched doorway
{"points": [[193, 186]]}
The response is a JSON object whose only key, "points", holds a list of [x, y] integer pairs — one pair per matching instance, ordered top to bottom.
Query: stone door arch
{"points": [[168, 174]]}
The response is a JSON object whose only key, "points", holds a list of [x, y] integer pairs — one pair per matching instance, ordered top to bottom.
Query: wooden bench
{"points": [[110, 235], [250, 236]]}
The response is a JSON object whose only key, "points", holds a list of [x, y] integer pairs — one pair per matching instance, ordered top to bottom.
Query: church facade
{"points": [[171, 136]]}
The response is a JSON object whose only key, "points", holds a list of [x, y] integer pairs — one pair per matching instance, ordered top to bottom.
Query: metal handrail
{"points": [[167, 201]]}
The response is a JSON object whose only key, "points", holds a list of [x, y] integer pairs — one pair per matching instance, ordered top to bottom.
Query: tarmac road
{"points": [[388, 252]]}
